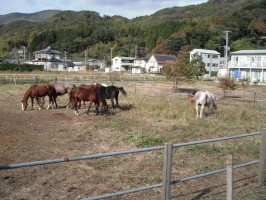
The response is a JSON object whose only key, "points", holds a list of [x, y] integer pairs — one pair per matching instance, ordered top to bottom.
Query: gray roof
{"points": [[48, 50], [205, 51], [249, 52]]}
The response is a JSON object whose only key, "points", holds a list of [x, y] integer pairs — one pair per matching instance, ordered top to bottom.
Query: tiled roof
{"points": [[48, 50], [164, 58]]}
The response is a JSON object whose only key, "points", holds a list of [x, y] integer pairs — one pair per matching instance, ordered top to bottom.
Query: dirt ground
{"points": [[34, 135]]}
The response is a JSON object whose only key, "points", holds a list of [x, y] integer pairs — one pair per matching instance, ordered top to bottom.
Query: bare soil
{"points": [[34, 135]]}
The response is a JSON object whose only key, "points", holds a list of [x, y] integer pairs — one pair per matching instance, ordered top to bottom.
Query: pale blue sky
{"points": [[125, 8]]}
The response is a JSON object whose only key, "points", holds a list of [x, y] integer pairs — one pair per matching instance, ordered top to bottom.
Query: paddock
{"points": [[150, 115]]}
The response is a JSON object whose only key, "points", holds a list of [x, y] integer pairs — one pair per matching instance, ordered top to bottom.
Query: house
{"points": [[211, 58], [51, 60], [157, 61], [122, 64], [249, 64], [139, 65]]}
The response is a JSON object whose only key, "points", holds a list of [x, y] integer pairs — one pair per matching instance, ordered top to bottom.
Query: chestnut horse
{"points": [[88, 86], [39, 92], [92, 95]]}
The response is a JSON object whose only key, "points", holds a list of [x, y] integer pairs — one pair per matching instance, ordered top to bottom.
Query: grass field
{"points": [[150, 115]]}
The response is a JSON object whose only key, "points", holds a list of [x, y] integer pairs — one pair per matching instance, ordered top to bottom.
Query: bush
{"points": [[227, 83]]}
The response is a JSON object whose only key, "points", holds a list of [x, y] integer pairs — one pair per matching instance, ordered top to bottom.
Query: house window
{"points": [[215, 56], [235, 59], [252, 59], [116, 60]]}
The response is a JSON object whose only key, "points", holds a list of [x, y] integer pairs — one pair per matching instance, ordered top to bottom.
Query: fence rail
{"points": [[67, 159]]}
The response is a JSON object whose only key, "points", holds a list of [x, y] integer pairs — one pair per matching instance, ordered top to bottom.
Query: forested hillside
{"points": [[38, 16], [166, 31]]}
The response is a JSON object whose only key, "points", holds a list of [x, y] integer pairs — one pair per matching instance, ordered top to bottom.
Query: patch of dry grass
{"points": [[150, 118]]}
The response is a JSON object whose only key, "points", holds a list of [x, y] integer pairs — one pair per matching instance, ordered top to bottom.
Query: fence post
{"points": [[254, 103], [262, 163], [167, 170], [229, 176]]}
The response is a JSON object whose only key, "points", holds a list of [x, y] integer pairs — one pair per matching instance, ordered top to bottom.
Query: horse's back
{"points": [[85, 94], [212, 99]]}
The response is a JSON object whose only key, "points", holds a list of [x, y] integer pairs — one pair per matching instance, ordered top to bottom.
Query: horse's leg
{"points": [[50, 100], [112, 100], [116, 100], [32, 101], [54, 101], [90, 104], [76, 106], [96, 108], [209, 109], [197, 110], [201, 111]]}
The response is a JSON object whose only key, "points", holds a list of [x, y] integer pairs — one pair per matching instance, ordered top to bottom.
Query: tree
{"points": [[197, 63], [182, 69]]}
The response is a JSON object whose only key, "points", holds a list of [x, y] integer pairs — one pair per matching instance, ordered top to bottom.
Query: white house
{"points": [[211, 58], [51, 60], [157, 61], [122, 64], [249, 64], [139, 65]]}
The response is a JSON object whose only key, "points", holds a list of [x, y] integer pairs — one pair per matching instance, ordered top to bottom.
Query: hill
{"points": [[34, 17], [166, 31]]}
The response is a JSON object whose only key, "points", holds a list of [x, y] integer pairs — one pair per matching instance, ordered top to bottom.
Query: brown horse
{"points": [[88, 86], [39, 92], [92, 95]]}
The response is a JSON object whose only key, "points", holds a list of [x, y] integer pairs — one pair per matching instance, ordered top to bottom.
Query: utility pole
{"points": [[226, 48], [111, 49], [136, 50], [24, 53], [85, 58], [65, 59]]}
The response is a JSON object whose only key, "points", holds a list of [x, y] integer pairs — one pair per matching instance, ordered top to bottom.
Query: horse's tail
{"points": [[121, 89]]}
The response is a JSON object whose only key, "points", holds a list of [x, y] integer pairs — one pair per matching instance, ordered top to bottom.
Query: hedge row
{"points": [[20, 67]]}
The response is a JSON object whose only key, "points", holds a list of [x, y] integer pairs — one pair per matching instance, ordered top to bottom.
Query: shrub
{"points": [[227, 83]]}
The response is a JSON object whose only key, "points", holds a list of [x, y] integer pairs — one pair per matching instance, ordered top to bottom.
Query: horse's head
{"points": [[71, 103], [24, 105]]}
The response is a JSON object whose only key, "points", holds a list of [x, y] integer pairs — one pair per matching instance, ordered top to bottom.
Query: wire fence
{"points": [[170, 182]]}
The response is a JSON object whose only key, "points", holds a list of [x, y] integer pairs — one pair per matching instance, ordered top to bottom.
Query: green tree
{"points": [[197, 63], [182, 69]]}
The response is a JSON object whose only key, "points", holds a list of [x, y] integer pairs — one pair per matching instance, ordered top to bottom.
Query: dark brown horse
{"points": [[38, 92], [112, 92], [92, 95]]}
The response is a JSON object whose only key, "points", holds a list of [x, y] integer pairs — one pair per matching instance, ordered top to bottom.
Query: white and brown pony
{"points": [[203, 99]]}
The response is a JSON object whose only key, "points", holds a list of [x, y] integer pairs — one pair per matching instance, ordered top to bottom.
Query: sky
{"points": [[126, 8]]}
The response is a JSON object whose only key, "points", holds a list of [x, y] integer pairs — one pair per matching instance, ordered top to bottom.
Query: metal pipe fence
{"points": [[67, 159]]}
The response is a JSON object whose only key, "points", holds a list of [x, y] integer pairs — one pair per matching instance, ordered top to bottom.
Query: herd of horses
{"points": [[93, 93], [97, 94]]}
